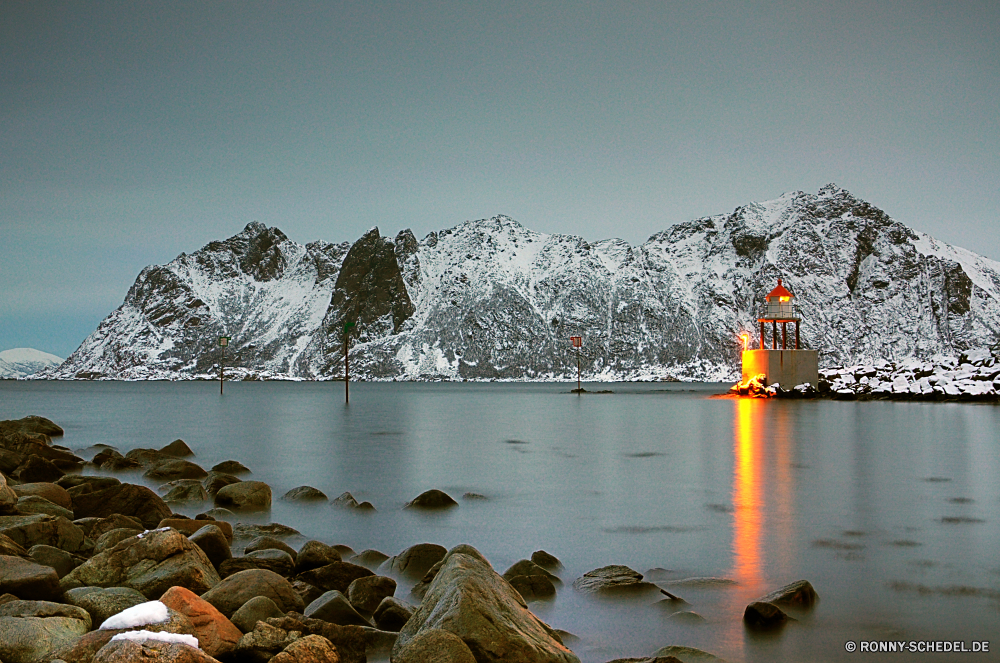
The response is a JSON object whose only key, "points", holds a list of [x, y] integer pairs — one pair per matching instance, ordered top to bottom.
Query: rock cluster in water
{"points": [[974, 376], [93, 570]]}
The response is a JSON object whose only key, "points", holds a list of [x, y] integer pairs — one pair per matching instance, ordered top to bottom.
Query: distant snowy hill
{"points": [[491, 299], [22, 362]]}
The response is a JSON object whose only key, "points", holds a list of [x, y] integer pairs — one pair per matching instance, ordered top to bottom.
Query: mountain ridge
{"points": [[491, 299]]}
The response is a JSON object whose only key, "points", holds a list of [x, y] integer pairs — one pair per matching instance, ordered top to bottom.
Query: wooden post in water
{"points": [[223, 342], [577, 343], [347, 366]]}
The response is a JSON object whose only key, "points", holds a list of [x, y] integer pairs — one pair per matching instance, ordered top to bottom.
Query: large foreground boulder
{"points": [[126, 499], [40, 528], [151, 563], [28, 580], [230, 594], [468, 598], [103, 602], [29, 630], [216, 634]]}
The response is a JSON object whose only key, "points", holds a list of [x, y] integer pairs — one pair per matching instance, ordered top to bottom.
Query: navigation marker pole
{"points": [[223, 343], [577, 343], [347, 370]]}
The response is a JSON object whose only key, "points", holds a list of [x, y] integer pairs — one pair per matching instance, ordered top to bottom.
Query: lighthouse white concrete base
{"points": [[786, 367]]}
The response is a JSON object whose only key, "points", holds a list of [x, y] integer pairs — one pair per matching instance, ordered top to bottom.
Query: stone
{"points": [[32, 424], [177, 448], [105, 453], [147, 457], [119, 464], [231, 467], [36, 468], [175, 468], [217, 480], [90, 482], [50, 491], [186, 492], [304, 494], [245, 496], [8, 497], [125, 499], [432, 499], [347, 501], [31, 504], [220, 514], [189, 526], [94, 528], [32, 530], [253, 530], [112, 538], [213, 542], [265, 542], [9, 546], [314, 554], [270, 558], [371, 559], [60, 560], [545, 560], [415, 561], [151, 563], [526, 567], [336, 575], [613, 579], [28, 580], [533, 587], [237, 589], [420, 589], [309, 593], [367, 593], [798, 594], [468, 598], [103, 602], [334, 607], [257, 609], [392, 614], [763, 616], [687, 617], [30, 630], [217, 636], [263, 642], [352, 642], [435, 645], [308, 649], [129, 651], [686, 654]]}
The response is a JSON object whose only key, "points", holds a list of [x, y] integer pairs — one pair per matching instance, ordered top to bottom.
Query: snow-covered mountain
{"points": [[490, 299], [22, 362]]}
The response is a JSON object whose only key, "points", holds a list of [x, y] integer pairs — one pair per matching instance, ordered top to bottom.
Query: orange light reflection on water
{"points": [[747, 506]]}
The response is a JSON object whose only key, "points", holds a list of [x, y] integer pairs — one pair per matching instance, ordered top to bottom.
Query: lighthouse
{"points": [[783, 365]]}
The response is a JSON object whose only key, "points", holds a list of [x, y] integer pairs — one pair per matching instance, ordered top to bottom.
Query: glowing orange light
{"points": [[783, 299], [745, 338], [747, 506]]}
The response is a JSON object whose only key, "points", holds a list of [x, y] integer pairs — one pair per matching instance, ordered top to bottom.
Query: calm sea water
{"points": [[891, 510]]}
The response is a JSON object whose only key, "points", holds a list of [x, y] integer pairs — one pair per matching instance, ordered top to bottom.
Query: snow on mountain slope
{"points": [[491, 299], [22, 362]]}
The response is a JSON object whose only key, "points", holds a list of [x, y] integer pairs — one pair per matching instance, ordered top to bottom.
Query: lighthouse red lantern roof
{"points": [[779, 293]]}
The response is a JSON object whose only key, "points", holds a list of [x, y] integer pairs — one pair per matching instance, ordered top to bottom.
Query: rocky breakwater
{"points": [[970, 377]]}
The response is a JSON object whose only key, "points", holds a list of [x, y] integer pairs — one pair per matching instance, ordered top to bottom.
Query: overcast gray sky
{"points": [[134, 131]]}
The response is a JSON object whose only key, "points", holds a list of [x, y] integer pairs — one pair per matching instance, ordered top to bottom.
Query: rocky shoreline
{"points": [[971, 377], [93, 570]]}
